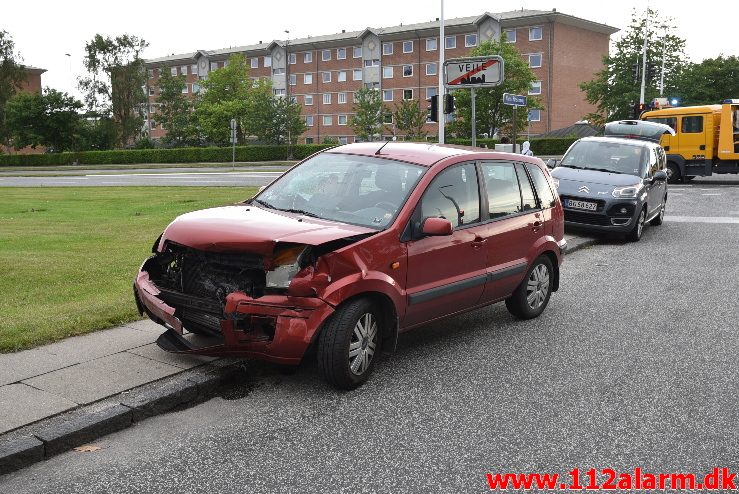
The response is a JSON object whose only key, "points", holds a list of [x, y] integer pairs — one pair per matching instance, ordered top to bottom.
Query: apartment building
{"points": [[322, 73], [31, 84]]}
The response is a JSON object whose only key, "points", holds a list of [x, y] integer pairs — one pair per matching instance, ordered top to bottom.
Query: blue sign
{"points": [[514, 99]]}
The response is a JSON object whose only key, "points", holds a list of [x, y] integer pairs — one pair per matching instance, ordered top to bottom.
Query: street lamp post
{"points": [[287, 93]]}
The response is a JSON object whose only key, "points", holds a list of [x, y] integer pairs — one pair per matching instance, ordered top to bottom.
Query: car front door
{"points": [[655, 188], [446, 274]]}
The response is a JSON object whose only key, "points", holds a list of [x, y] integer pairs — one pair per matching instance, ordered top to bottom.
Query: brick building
{"points": [[323, 72], [31, 84]]}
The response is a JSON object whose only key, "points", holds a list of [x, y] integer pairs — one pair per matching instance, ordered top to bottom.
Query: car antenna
{"points": [[378, 151]]}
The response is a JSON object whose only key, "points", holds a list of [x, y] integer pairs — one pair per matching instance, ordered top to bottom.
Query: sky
{"points": [[52, 34]]}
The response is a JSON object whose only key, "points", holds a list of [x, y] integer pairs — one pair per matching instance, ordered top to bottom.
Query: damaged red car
{"points": [[351, 247]]}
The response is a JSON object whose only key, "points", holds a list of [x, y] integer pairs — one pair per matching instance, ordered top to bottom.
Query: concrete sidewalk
{"points": [[59, 396]]}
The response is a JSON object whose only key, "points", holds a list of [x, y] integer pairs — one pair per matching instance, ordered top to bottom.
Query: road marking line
{"points": [[710, 194], [702, 219]]}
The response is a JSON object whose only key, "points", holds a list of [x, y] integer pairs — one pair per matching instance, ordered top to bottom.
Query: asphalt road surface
{"points": [[633, 364]]}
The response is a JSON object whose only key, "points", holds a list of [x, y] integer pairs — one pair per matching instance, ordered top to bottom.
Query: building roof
{"points": [[507, 19], [33, 70], [580, 129]]}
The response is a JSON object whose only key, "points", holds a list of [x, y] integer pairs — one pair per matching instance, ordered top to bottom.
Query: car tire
{"points": [[673, 173], [657, 220], [635, 234], [532, 295], [349, 344]]}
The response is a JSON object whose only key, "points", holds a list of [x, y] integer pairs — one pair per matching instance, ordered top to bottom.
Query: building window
{"points": [[535, 33], [510, 35], [470, 40], [451, 42], [431, 44], [407, 46], [387, 48], [357, 52], [340, 53], [325, 55], [308, 57], [292, 58], [535, 60], [268, 61], [255, 63], [372, 63], [213, 66], [431, 68], [194, 69], [173, 70], [183, 70], [407, 70], [279, 71], [387, 72], [151, 73], [357, 74], [326, 76], [342, 76], [307, 78], [293, 79], [371, 85], [535, 87], [195, 88], [184, 89], [152, 90], [431, 91], [278, 92], [407, 93], [387, 95], [326, 98], [342, 98], [294, 99], [308, 100], [152, 109], [534, 115], [387, 118], [342, 119], [309, 120], [328, 120], [309, 140], [343, 140]]}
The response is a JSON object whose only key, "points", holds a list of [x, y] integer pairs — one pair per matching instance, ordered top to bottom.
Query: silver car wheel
{"points": [[640, 225], [537, 288], [363, 344]]}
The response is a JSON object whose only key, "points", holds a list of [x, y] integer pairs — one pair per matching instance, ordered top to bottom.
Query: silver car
{"points": [[615, 183]]}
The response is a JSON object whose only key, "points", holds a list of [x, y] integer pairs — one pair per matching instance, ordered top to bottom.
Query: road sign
{"points": [[474, 72], [514, 99], [233, 124]]}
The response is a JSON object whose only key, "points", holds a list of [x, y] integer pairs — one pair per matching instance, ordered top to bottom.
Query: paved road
{"points": [[634, 363]]}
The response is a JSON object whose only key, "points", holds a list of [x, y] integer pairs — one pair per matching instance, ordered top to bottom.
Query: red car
{"points": [[353, 246]]}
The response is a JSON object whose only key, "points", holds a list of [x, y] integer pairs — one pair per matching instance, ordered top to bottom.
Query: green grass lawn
{"points": [[68, 255]]}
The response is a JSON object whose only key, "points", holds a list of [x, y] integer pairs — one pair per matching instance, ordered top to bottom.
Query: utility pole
{"points": [[442, 44], [644, 60], [662, 72], [287, 93]]}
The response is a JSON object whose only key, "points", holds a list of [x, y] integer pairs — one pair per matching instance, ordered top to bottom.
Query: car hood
{"points": [[587, 177], [252, 229]]}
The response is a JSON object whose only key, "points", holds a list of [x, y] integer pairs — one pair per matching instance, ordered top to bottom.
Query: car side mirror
{"points": [[551, 163], [660, 176], [436, 227]]}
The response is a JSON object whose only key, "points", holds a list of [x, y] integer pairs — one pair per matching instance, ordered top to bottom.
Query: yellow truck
{"points": [[706, 139]]}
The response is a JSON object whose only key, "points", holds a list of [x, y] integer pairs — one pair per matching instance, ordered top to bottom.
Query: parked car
{"points": [[615, 183], [352, 246]]}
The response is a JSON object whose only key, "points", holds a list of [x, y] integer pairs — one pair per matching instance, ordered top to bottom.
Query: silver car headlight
{"points": [[627, 192], [285, 265]]}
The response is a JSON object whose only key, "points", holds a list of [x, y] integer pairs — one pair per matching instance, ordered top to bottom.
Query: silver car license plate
{"points": [[588, 206]]}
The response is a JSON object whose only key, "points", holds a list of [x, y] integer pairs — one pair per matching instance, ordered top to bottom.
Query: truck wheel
{"points": [[673, 173], [635, 234], [532, 295], [348, 344]]}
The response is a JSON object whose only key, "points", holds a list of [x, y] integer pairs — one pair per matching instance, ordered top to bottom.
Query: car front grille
{"points": [[587, 218]]}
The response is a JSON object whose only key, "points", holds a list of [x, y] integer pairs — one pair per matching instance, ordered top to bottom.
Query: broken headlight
{"points": [[285, 265]]}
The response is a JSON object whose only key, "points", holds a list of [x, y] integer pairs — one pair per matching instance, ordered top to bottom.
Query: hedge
{"points": [[549, 146], [176, 155]]}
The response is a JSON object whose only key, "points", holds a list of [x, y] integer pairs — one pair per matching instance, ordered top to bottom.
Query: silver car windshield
{"points": [[613, 157], [359, 190]]}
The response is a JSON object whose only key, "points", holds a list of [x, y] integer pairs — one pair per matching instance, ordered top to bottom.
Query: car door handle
{"points": [[536, 225], [478, 242]]}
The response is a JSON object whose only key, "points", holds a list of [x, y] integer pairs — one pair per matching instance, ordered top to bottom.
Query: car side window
{"points": [[692, 125], [653, 163], [504, 193], [453, 195], [546, 196], [528, 199]]}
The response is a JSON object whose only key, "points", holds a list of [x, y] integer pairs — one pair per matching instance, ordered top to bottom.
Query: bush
{"points": [[160, 155]]}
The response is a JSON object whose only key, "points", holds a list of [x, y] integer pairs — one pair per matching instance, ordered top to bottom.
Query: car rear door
{"points": [[447, 274]]}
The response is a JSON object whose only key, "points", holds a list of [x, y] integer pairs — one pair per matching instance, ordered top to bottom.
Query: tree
{"points": [[12, 75], [708, 82], [115, 85], [614, 89], [228, 93], [175, 111], [368, 111], [491, 114], [50, 119], [280, 119], [410, 119]]}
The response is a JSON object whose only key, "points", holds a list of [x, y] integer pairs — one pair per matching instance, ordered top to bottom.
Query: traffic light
{"points": [[635, 71], [652, 71], [448, 103], [433, 108], [638, 109]]}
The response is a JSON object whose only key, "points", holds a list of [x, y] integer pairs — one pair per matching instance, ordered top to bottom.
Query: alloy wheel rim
{"points": [[640, 226], [537, 287], [363, 344]]}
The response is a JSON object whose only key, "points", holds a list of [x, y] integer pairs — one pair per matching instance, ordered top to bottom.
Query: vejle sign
{"points": [[473, 72]]}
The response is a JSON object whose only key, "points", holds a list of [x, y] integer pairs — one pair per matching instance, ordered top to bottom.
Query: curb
{"points": [[577, 243], [61, 433]]}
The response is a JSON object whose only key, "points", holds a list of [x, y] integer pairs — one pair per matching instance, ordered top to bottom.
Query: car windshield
{"points": [[608, 156], [361, 190]]}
